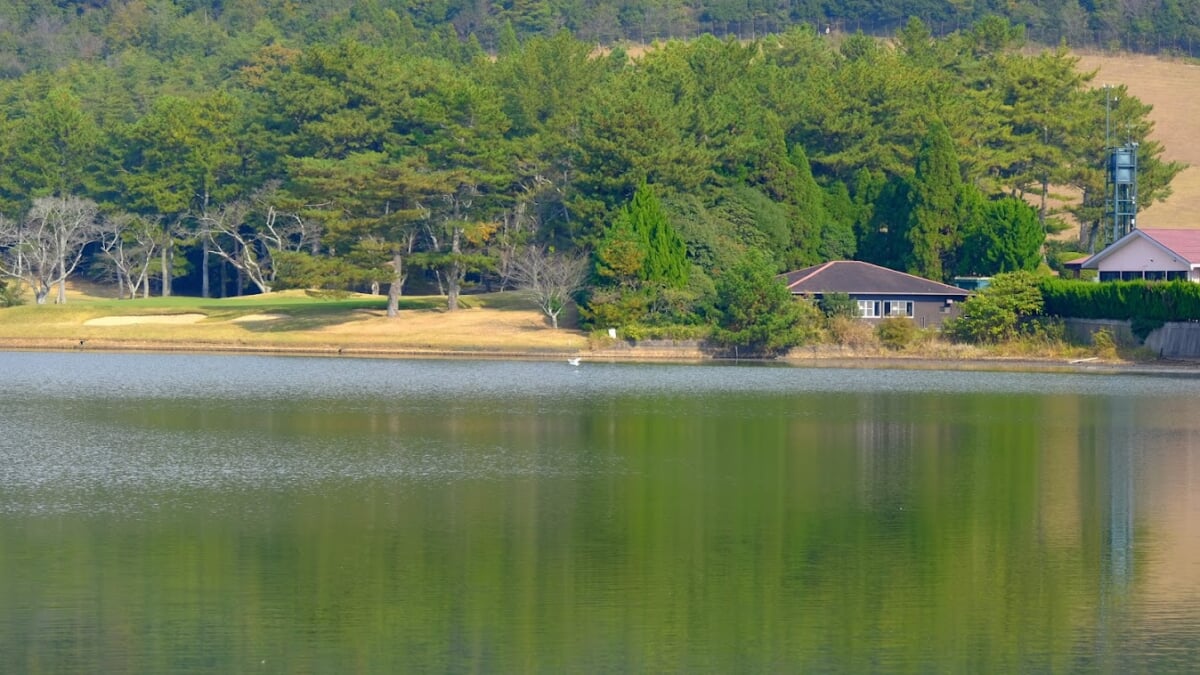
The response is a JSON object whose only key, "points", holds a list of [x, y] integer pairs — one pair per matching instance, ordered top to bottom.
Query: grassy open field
{"points": [[1172, 86], [287, 321]]}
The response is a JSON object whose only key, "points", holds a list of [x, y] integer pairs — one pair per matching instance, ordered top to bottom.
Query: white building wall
{"points": [[1139, 255]]}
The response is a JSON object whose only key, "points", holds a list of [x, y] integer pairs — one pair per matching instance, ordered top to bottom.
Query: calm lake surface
{"points": [[184, 513]]}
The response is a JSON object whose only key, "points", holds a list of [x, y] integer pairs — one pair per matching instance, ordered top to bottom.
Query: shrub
{"points": [[10, 294], [1121, 300], [839, 305], [611, 307], [754, 310], [999, 312], [983, 320], [1142, 327], [1046, 329], [641, 331], [896, 332], [852, 333], [600, 339], [1105, 343]]}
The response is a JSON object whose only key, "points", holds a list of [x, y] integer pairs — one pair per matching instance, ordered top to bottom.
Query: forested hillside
{"points": [[40, 34], [241, 162]]}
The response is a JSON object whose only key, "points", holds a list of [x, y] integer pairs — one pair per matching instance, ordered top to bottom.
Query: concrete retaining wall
{"points": [[1080, 331], [1177, 340]]}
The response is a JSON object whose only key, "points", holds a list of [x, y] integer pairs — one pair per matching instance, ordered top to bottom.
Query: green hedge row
{"points": [[1141, 300]]}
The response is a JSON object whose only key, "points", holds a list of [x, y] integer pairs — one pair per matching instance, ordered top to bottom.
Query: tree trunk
{"points": [[1043, 206], [165, 260], [453, 279], [62, 281], [452, 288], [204, 291], [40, 292], [393, 303]]}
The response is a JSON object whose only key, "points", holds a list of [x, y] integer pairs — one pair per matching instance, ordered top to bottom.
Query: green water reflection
{"points": [[695, 532]]}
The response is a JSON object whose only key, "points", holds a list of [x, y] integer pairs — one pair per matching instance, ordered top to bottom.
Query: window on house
{"points": [[1148, 275], [898, 308], [868, 309]]}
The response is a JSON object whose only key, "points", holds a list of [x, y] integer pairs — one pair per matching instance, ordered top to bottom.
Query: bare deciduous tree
{"points": [[129, 243], [47, 246], [249, 249], [551, 278]]}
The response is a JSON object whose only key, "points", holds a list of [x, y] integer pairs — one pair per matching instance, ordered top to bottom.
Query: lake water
{"points": [[186, 513]]}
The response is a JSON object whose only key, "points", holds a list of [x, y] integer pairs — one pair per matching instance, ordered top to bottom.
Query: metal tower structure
{"points": [[1121, 180], [1122, 189]]}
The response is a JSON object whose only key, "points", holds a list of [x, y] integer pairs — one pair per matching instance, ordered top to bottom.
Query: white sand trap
{"points": [[258, 317], [148, 318]]}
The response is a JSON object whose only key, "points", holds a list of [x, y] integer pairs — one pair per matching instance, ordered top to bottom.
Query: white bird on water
{"points": [[574, 360]]}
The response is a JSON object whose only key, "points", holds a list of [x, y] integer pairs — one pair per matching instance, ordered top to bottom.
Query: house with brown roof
{"points": [[1153, 254], [879, 291]]}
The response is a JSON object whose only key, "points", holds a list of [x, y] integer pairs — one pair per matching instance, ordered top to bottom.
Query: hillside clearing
{"points": [[1172, 86]]}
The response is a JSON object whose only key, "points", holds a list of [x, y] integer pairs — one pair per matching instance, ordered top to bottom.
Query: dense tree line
{"points": [[48, 34], [354, 165]]}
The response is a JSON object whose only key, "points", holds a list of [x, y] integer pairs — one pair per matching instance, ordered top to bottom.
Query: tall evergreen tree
{"points": [[53, 149], [934, 194], [811, 217], [882, 219], [837, 236], [1003, 236], [640, 248], [665, 252], [641, 259], [754, 309]]}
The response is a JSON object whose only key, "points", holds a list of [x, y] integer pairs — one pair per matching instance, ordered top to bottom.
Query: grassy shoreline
{"points": [[491, 326], [628, 354]]}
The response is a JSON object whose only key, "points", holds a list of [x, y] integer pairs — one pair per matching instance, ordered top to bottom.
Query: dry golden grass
{"points": [[288, 321], [471, 328]]}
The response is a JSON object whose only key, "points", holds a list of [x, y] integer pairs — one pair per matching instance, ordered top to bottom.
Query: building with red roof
{"points": [[1152, 254]]}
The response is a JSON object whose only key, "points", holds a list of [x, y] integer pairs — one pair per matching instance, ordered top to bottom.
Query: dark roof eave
{"points": [[795, 292]]}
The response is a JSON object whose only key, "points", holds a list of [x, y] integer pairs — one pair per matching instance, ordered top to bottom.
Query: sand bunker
{"points": [[258, 317], [148, 318]]}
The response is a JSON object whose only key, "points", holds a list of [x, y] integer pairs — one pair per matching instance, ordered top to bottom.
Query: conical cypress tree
{"points": [[934, 193], [666, 253]]}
